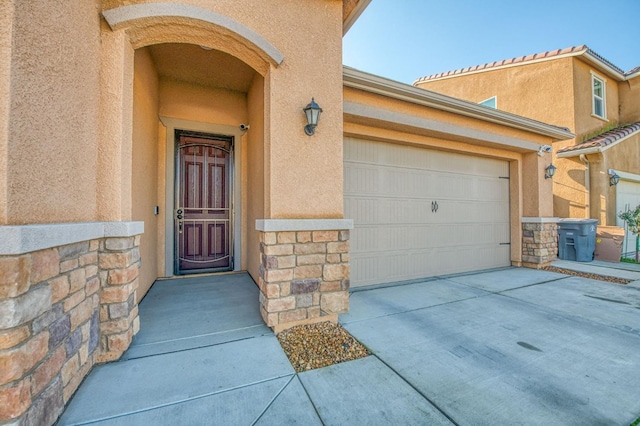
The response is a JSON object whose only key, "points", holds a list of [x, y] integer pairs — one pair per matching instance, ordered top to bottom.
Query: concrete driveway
{"points": [[514, 346]]}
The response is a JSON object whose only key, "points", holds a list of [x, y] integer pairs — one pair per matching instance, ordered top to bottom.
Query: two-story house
{"points": [[578, 89]]}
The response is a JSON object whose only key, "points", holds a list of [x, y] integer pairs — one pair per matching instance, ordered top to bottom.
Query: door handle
{"points": [[434, 207]]}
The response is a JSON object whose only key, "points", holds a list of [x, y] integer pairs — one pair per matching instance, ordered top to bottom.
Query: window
{"points": [[598, 90], [491, 102]]}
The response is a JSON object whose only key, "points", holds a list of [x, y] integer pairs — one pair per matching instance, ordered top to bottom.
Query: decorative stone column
{"points": [[539, 241], [304, 273]]}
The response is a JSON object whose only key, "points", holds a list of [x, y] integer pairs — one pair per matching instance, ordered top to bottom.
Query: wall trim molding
{"points": [[20, 239]]}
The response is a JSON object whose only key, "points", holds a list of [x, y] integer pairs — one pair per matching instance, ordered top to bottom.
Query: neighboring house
{"points": [[578, 89], [142, 140]]}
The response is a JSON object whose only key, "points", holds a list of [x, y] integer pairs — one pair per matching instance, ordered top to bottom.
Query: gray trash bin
{"points": [[577, 239]]}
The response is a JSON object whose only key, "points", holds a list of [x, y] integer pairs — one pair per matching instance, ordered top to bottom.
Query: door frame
{"points": [[173, 124]]}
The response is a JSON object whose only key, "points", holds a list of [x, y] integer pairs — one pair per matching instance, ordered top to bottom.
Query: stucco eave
{"points": [[354, 15], [379, 85]]}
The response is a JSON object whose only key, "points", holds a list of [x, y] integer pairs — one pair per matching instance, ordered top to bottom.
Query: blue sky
{"points": [[407, 39]]}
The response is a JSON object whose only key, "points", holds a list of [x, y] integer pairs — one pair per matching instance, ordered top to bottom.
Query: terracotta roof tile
{"points": [[543, 55], [606, 138]]}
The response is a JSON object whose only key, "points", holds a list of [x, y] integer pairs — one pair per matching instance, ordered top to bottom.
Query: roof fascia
{"points": [[354, 15], [603, 66], [634, 75], [379, 85]]}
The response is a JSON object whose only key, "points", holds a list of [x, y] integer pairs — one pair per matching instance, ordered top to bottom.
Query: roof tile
{"points": [[542, 55], [606, 138]]}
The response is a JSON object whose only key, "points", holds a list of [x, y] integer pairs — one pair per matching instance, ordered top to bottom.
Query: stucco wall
{"points": [[6, 35], [537, 90], [629, 93], [53, 121], [585, 121], [145, 164], [253, 182]]}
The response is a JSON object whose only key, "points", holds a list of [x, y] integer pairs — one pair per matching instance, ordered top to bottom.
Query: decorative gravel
{"points": [[587, 275], [319, 345]]}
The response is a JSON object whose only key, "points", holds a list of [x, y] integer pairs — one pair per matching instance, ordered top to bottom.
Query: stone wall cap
{"points": [[540, 219], [283, 225], [19, 239]]}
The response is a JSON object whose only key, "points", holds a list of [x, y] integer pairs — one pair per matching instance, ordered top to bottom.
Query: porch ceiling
{"points": [[193, 64]]}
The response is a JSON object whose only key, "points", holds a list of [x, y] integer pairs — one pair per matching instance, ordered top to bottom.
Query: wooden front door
{"points": [[203, 213]]}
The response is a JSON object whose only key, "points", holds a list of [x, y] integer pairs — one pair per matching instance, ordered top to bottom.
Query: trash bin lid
{"points": [[578, 221]]}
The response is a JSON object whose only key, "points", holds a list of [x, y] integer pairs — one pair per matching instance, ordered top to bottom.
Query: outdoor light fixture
{"points": [[312, 111], [550, 170], [614, 179]]}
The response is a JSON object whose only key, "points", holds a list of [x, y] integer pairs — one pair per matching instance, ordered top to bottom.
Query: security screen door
{"points": [[203, 210]]}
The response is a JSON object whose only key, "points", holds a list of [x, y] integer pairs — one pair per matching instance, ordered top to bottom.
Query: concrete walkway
{"points": [[513, 346]]}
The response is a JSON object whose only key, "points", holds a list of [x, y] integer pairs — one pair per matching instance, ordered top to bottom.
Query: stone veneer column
{"points": [[539, 241], [119, 260], [304, 273], [55, 283]]}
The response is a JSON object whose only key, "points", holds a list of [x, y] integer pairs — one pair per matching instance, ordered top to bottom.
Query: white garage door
{"points": [[627, 198], [420, 213]]}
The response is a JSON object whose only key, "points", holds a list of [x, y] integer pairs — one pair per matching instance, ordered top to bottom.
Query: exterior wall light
{"points": [[312, 111], [549, 171], [614, 179]]}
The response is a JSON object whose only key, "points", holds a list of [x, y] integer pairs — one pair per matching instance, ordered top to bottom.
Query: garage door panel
{"points": [[384, 181], [391, 191], [401, 266]]}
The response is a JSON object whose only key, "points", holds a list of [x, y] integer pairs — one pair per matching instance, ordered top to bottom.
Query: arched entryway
{"points": [[181, 71]]}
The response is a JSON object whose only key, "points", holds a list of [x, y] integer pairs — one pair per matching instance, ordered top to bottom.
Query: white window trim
{"points": [[594, 77], [488, 99]]}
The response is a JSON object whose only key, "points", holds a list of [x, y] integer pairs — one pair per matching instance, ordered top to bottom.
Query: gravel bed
{"points": [[587, 275], [318, 345]]}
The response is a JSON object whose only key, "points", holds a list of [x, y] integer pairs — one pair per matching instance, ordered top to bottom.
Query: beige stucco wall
{"points": [[6, 22], [537, 90], [629, 93], [205, 104], [49, 111], [585, 122], [145, 164], [254, 180]]}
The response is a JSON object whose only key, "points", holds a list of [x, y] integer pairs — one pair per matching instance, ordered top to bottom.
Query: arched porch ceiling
{"points": [[192, 64]]}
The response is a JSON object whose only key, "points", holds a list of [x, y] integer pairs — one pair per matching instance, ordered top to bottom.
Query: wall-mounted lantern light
{"points": [[312, 111], [549, 171], [614, 178]]}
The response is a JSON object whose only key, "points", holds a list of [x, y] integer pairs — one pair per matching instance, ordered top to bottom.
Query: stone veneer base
{"points": [[539, 241], [304, 270], [67, 301]]}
